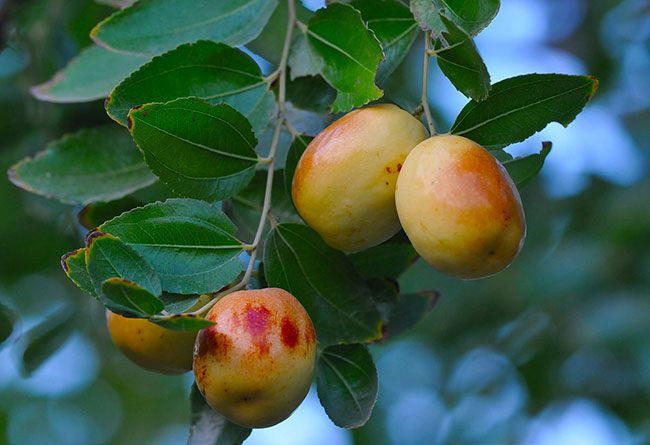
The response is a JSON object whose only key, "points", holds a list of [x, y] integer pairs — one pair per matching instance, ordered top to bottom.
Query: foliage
{"points": [[199, 111]]}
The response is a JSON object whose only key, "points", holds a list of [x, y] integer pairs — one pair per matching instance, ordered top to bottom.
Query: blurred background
{"points": [[553, 351]]}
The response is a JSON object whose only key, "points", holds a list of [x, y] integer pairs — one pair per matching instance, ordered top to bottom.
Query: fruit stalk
{"points": [[426, 55]]}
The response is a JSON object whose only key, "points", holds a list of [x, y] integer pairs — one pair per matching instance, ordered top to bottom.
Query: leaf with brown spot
{"points": [[189, 243], [107, 257], [74, 266]]}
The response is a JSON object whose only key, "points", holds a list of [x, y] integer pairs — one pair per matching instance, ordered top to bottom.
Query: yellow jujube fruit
{"points": [[344, 184], [459, 207], [150, 346], [255, 365]]}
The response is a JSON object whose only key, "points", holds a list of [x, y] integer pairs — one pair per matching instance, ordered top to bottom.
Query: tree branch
{"points": [[269, 160]]}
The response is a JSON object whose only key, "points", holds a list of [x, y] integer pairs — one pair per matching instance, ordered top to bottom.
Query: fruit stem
{"points": [[425, 83], [269, 160]]}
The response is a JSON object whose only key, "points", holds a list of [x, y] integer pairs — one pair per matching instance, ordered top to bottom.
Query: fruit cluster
{"points": [[374, 171], [360, 180]]}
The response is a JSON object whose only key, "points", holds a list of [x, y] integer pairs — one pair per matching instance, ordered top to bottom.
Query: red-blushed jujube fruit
{"points": [[344, 184], [459, 207], [150, 346], [255, 365]]}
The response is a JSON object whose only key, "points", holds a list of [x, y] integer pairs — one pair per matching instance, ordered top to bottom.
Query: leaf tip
{"points": [[595, 84], [12, 175]]}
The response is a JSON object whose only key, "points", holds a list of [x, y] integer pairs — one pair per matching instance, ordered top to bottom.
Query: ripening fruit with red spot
{"points": [[344, 184], [459, 207], [150, 346], [255, 365]]}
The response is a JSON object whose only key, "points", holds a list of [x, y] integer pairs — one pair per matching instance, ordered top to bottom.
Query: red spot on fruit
{"points": [[399, 167], [389, 170], [257, 321], [289, 333], [310, 335], [206, 342], [214, 343]]}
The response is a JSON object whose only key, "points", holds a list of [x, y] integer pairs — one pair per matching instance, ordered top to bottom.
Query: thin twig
{"points": [[425, 83]]}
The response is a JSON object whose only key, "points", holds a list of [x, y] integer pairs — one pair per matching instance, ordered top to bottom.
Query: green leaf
{"points": [[427, 14], [472, 16], [155, 26], [394, 26], [269, 43], [346, 53], [301, 62], [461, 62], [211, 71], [89, 76], [310, 93], [521, 106], [297, 148], [198, 150], [502, 155], [97, 164], [523, 169], [246, 207], [94, 214], [189, 243], [107, 257], [387, 260], [74, 266], [324, 281], [385, 293], [125, 297], [179, 303], [409, 311], [7, 319], [183, 322], [44, 339], [346, 379], [207, 427]]}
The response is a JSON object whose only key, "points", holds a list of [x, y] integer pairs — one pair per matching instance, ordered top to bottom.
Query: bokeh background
{"points": [[553, 351]]}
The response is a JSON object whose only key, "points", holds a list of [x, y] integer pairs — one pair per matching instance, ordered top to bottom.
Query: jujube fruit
{"points": [[344, 184], [459, 207], [151, 346], [255, 365]]}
